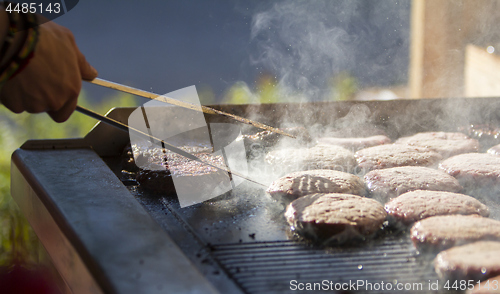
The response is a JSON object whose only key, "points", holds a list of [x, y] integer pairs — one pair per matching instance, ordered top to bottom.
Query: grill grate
{"points": [[217, 235], [269, 267]]}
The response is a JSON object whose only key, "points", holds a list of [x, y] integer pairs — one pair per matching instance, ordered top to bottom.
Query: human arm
{"points": [[51, 81]]}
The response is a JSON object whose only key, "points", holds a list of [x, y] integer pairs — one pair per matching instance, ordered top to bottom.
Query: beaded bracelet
{"points": [[13, 21], [25, 53]]}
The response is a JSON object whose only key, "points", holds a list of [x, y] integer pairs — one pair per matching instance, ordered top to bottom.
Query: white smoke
{"points": [[296, 39], [307, 43]]}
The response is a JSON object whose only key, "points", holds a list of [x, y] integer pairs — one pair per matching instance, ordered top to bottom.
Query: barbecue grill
{"points": [[107, 235]]}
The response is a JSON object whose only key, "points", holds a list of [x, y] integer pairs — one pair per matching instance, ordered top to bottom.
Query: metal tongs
{"points": [[149, 95], [200, 108]]}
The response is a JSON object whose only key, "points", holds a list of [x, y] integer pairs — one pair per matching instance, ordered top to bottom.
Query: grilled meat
{"points": [[361, 130], [260, 142], [355, 144], [446, 144], [495, 150], [393, 155], [331, 157], [160, 166], [473, 169], [161, 180], [388, 183], [297, 184], [417, 205], [335, 218], [442, 232], [475, 261]]}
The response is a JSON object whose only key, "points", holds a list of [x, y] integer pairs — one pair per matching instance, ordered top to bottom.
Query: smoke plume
{"points": [[307, 43]]}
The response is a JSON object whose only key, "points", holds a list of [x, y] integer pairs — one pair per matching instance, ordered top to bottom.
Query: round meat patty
{"points": [[361, 129], [258, 143], [355, 144], [446, 144], [495, 150], [393, 155], [320, 156], [161, 168], [473, 169], [162, 181], [297, 184], [385, 184], [416, 205], [335, 218], [442, 232], [475, 261], [490, 286]]}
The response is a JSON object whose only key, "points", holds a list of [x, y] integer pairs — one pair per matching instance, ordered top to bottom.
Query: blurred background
{"points": [[306, 48], [262, 52]]}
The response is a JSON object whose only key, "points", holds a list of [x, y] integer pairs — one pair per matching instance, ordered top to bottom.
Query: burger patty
{"points": [[347, 130], [268, 138], [355, 144], [446, 144], [495, 150], [393, 155], [320, 156], [154, 157], [160, 167], [473, 169], [162, 181], [297, 184], [385, 184], [416, 205], [335, 218], [442, 232], [476, 261]]}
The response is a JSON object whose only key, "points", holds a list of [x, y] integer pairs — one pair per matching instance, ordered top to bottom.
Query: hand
{"points": [[52, 80]]}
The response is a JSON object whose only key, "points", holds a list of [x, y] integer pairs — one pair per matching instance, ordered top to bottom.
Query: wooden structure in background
{"points": [[440, 32], [482, 72]]}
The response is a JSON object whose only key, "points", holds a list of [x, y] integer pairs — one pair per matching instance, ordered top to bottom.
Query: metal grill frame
{"points": [[101, 234]]}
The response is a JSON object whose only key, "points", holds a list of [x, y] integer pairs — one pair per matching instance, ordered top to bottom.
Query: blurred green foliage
{"points": [[343, 86], [266, 91], [239, 93], [17, 240]]}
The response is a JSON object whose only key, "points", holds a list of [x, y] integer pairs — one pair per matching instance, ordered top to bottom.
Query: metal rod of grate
{"points": [[386, 265]]}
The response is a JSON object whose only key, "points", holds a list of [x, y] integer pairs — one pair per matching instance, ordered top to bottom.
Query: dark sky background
{"points": [[163, 46]]}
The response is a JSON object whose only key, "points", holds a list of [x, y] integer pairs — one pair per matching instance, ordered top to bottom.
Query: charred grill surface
{"points": [[244, 239], [253, 248]]}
